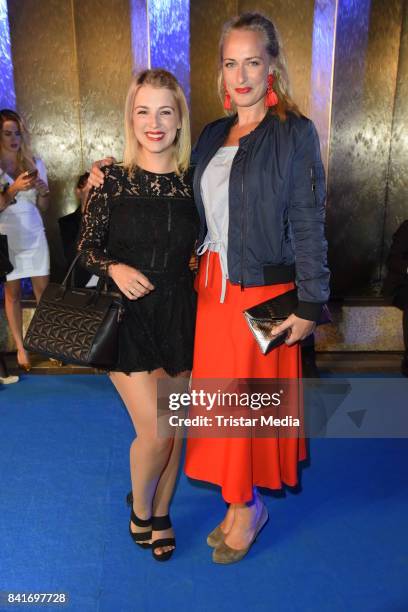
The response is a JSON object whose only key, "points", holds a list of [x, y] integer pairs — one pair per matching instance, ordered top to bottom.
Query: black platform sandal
{"points": [[160, 523], [140, 538]]}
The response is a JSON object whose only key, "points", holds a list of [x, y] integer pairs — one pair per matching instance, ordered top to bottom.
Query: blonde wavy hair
{"points": [[256, 22], [182, 145], [25, 157]]}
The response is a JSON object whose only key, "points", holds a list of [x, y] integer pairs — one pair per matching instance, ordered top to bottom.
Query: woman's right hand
{"points": [[96, 177], [23, 182], [132, 283]]}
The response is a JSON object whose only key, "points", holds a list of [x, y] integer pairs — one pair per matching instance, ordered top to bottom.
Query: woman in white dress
{"points": [[23, 196]]}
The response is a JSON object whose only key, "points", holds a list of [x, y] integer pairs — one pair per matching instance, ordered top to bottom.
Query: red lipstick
{"points": [[243, 90], [154, 135]]}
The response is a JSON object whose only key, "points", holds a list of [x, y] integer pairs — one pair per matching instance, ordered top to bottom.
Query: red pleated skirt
{"points": [[225, 348]]}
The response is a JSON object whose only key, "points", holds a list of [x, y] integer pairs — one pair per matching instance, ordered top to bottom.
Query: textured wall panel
{"points": [[206, 20], [294, 20], [140, 34], [324, 34], [169, 36], [104, 55], [366, 59], [72, 65], [45, 75], [7, 93], [397, 200], [362, 328]]}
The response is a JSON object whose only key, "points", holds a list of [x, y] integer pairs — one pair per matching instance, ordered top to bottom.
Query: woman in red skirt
{"points": [[260, 191]]}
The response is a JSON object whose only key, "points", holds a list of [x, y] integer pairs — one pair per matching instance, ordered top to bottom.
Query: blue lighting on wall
{"points": [[353, 22], [139, 29], [161, 37], [170, 38], [7, 91]]}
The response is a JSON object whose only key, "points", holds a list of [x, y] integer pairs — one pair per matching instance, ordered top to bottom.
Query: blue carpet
{"points": [[339, 545]]}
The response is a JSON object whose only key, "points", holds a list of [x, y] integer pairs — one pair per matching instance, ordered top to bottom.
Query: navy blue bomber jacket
{"points": [[276, 207]]}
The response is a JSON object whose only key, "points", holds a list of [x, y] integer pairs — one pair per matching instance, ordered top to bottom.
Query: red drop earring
{"points": [[271, 97], [227, 99]]}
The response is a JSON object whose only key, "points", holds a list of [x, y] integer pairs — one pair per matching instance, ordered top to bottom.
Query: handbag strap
{"points": [[102, 283]]}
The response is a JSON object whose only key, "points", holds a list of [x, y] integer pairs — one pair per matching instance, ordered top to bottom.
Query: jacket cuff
{"points": [[310, 311]]}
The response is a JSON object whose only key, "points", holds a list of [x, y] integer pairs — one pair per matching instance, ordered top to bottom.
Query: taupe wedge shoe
{"points": [[215, 538], [225, 554]]}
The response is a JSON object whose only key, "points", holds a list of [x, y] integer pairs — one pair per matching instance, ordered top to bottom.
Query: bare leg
{"points": [[39, 284], [12, 302], [152, 459], [168, 478], [246, 517], [228, 521]]}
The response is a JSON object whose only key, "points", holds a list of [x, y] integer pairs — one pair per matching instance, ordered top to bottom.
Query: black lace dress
{"points": [[147, 221]]}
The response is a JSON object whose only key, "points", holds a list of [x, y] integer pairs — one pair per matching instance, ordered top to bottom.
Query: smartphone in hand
{"points": [[32, 174]]}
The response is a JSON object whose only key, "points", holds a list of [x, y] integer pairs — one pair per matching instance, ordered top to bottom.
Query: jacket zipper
{"points": [[313, 178], [243, 224]]}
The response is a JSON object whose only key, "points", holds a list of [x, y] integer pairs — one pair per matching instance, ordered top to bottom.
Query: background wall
{"points": [[348, 61], [71, 88], [364, 90]]}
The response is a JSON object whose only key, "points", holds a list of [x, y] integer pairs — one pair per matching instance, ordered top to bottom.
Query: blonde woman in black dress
{"points": [[139, 228]]}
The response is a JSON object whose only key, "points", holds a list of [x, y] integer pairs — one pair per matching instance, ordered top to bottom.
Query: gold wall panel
{"points": [[206, 20], [104, 55], [72, 67], [365, 71], [46, 83], [397, 195]]}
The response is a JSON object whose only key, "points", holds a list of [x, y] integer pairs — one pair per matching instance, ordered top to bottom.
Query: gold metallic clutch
{"points": [[264, 317]]}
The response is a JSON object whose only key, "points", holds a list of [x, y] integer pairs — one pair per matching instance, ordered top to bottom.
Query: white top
{"points": [[214, 191], [22, 221]]}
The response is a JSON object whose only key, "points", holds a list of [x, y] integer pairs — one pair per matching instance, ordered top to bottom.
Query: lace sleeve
{"points": [[94, 232]]}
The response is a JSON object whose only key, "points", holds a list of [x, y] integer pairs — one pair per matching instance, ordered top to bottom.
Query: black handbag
{"points": [[5, 264], [264, 317], [77, 325]]}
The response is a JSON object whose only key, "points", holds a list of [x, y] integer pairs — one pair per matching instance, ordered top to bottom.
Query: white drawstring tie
{"points": [[216, 247]]}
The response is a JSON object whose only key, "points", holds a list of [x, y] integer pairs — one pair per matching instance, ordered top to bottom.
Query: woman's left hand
{"points": [[42, 187], [298, 329]]}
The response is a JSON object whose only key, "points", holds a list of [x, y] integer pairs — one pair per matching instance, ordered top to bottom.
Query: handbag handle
{"points": [[101, 284]]}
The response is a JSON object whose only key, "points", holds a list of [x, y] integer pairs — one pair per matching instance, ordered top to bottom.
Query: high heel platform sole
{"points": [[161, 523], [143, 535], [140, 538]]}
